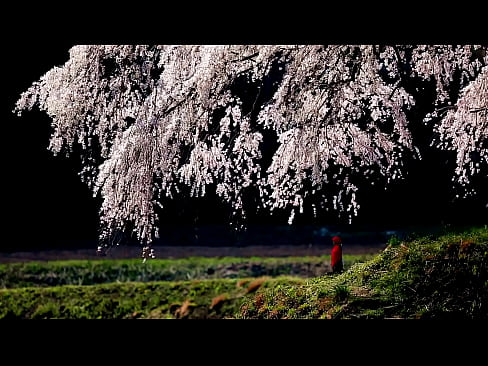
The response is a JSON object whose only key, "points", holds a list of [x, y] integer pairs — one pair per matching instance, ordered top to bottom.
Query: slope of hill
{"points": [[430, 277]]}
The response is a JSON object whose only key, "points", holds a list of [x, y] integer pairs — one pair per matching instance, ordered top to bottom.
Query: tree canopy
{"points": [[300, 127]]}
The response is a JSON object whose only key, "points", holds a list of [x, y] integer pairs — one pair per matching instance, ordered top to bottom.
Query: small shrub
{"points": [[394, 241], [341, 293], [47, 310]]}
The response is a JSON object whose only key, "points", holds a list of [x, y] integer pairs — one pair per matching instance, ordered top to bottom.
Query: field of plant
{"points": [[436, 276], [194, 287]]}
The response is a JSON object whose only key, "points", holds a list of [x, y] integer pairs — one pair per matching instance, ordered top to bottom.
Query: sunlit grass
{"points": [[90, 272], [428, 277]]}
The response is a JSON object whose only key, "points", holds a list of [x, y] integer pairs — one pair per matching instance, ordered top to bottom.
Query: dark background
{"points": [[47, 206]]}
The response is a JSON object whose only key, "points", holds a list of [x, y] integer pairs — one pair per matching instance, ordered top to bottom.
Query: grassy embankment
{"points": [[428, 277], [196, 287]]}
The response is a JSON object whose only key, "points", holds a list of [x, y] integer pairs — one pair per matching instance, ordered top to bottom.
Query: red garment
{"points": [[337, 240], [336, 257]]}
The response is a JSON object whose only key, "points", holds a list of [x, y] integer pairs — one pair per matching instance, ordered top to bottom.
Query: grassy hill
{"points": [[428, 277]]}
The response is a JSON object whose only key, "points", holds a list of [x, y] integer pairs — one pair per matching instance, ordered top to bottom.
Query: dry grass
{"points": [[255, 284], [218, 301], [184, 310]]}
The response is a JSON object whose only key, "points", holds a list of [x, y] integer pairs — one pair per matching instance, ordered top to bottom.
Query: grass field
{"points": [[436, 276], [166, 288]]}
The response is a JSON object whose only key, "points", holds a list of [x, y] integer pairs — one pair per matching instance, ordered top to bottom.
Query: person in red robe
{"points": [[336, 255]]}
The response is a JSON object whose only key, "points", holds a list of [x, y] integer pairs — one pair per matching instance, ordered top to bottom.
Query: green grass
{"points": [[91, 272], [432, 276], [429, 277], [195, 287], [196, 299]]}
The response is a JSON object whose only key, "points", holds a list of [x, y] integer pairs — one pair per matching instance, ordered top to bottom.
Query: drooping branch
{"points": [[164, 118]]}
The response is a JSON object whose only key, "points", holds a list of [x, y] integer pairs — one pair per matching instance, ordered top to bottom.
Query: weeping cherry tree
{"points": [[153, 122]]}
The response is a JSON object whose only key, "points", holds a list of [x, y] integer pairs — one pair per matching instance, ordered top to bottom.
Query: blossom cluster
{"points": [[156, 121]]}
